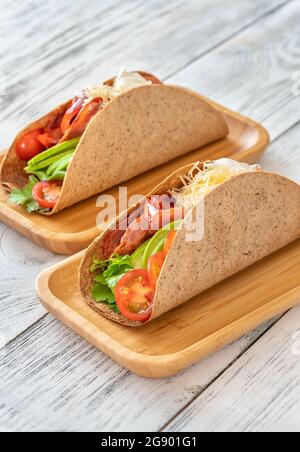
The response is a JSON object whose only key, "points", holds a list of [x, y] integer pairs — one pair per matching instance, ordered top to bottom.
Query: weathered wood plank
{"points": [[86, 40], [254, 73], [284, 155], [21, 262], [52, 380], [259, 393]]}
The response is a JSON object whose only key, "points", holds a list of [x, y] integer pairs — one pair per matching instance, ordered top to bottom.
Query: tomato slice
{"points": [[82, 119], [50, 139], [28, 146], [46, 194], [169, 242], [154, 267], [134, 296]]}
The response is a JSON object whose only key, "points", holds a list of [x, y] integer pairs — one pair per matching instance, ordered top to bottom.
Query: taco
{"points": [[107, 134], [147, 262]]}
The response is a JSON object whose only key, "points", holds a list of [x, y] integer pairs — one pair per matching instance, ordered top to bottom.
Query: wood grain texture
{"points": [[90, 40], [256, 71], [284, 155], [21, 262], [53, 379], [260, 392]]}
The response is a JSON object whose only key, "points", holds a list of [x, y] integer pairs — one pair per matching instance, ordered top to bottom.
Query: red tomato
{"points": [[71, 113], [83, 118], [50, 139], [28, 146], [46, 194], [169, 242], [154, 267], [134, 296]]}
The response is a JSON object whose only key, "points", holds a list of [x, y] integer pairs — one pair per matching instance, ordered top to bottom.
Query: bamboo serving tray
{"points": [[73, 229], [188, 333]]}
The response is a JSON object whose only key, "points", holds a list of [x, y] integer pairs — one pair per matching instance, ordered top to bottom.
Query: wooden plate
{"points": [[73, 229], [188, 333]]}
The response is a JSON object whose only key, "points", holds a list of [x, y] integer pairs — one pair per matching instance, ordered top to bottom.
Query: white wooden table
{"points": [[242, 54]]}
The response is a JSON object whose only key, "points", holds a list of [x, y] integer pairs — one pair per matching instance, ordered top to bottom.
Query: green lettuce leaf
{"points": [[23, 197], [98, 265], [118, 266], [107, 274], [102, 294]]}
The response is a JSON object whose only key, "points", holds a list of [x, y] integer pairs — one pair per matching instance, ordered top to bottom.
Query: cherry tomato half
{"points": [[51, 138], [28, 146], [46, 194], [169, 242], [154, 267], [134, 296]]}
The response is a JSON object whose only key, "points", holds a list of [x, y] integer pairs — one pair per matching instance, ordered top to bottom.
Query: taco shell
{"points": [[139, 130], [245, 219]]}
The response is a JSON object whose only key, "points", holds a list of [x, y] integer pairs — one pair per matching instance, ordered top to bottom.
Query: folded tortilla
{"points": [[139, 130], [246, 218]]}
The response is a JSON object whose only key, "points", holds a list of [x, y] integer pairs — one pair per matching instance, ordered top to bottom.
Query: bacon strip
{"points": [[145, 227], [135, 235], [111, 240]]}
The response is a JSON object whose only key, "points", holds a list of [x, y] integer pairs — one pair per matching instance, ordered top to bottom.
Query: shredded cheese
{"points": [[124, 82], [199, 182]]}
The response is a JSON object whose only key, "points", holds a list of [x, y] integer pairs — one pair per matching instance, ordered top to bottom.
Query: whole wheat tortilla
{"points": [[139, 130], [245, 219]]}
